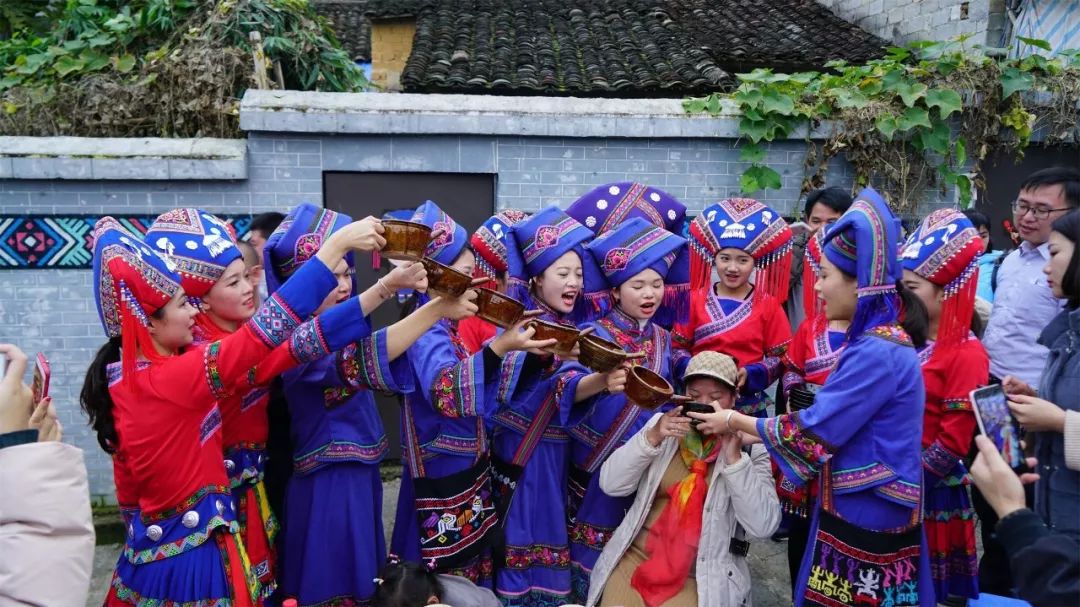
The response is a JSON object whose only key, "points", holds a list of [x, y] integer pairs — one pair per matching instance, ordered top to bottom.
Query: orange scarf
{"points": [[673, 540]]}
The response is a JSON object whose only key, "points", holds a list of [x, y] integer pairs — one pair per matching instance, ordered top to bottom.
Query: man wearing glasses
{"points": [[1023, 306]]}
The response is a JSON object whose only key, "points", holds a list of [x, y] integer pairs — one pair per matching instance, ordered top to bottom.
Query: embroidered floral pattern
{"points": [[893, 333], [454, 392], [802, 452], [590, 535], [537, 555], [477, 571]]}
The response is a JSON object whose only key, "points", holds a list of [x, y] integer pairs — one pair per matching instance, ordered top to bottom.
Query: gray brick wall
{"points": [[907, 20], [53, 311]]}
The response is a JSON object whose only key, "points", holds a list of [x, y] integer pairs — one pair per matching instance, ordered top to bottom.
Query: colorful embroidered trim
{"points": [[274, 322], [722, 322], [893, 333], [307, 343], [213, 374], [518, 423], [210, 424], [339, 451], [801, 451], [939, 460], [855, 479], [902, 492], [187, 504], [591, 536], [188, 542], [537, 555], [479, 570], [131, 597]]}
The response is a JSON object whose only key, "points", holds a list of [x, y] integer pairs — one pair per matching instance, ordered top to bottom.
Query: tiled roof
{"points": [[625, 48]]}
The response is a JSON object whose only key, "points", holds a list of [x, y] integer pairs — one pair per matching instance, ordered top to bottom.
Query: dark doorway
{"points": [[1003, 179], [468, 197]]}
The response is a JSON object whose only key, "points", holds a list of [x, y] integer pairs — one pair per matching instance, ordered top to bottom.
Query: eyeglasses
{"points": [[1040, 213]]}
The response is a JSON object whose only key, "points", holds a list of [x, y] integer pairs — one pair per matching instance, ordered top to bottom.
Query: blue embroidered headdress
{"points": [[750, 226], [298, 239], [452, 240], [538, 241], [864, 243], [200, 244], [631, 248], [131, 283]]}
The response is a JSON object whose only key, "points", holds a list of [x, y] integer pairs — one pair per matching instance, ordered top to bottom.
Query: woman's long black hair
{"points": [[1069, 227], [913, 315], [95, 399]]}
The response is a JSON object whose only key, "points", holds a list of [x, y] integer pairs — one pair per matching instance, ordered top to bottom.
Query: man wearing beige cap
{"points": [[698, 540]]}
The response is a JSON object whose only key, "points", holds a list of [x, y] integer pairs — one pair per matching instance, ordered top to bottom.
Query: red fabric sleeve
{"points": [[970, 370]]}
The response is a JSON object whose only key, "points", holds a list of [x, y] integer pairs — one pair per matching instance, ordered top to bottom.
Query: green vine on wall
{"points": [[923, 116]]}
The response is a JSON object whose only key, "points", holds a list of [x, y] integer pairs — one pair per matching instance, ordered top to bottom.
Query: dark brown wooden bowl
{"points": [[405, 240], [444, 280], [498, 309], [565, 336], [599, 354], [647, 388]]}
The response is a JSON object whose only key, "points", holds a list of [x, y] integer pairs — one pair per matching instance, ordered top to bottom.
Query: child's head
{"points": [[406, 585]]}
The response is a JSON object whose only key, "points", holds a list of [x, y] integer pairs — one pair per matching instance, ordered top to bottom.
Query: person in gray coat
{"points": [[1047, 411], [700, 496]]}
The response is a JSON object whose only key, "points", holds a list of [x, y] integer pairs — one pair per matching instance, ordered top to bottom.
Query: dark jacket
{"points": [[1057, 494], [1045, 565]]}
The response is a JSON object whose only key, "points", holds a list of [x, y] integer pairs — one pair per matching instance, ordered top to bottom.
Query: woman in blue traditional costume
{"points": [[607, 206], [740, 239], [635, 258], [940, 261], [157, 411], [862, 431], [531, 444], [446, 512], [334, 541]]}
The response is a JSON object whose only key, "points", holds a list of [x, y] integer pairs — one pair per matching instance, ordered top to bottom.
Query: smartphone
{"points": [[40, 386], [996, 423]]}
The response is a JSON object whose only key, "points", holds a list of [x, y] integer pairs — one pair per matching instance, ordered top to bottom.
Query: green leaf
{"points": [[100, 40], [1036, 42], [897, 53], [94, 60], [123, 63], [66, 65], [804, 77], [1014, 80], [910, 92], [748, 98], [850, 98], [946, 100], [778, 103], [694, 105], [712, 105], [914, 117], [887, 126], [754, 129], [936, 139], [960, 152], [753, 153], [759, 178], [963, 188]]}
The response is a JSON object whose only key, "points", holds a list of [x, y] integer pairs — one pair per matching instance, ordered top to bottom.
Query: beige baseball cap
{"points": [[720, 367]]}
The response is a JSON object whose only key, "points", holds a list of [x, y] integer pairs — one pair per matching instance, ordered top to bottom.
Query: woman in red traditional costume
{"points": [[740, 237], [488, 244], [940, 261], [214, 278], [157, 412]]}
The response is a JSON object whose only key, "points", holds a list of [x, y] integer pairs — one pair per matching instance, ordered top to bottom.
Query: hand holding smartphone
{"points": [[996, 423]]}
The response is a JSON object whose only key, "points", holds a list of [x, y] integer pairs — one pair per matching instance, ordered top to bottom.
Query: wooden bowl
{"points": [[405, 240], [444, 280], [498, 309], [565, 336], [599, 354], [647, 388]]}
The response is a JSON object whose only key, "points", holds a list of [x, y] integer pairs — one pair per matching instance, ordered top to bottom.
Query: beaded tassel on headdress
{"points": [[812, 304]]}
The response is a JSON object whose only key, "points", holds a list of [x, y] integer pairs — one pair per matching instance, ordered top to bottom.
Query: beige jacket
{"points": [[742, 494], [46, 530]]}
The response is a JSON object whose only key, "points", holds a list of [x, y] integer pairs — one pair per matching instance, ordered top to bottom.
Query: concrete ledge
{"points": [[413, 114], [149, 159]]}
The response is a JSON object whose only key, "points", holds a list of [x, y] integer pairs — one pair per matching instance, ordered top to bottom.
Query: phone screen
{"points": [[40, 385], [996, 423]]}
